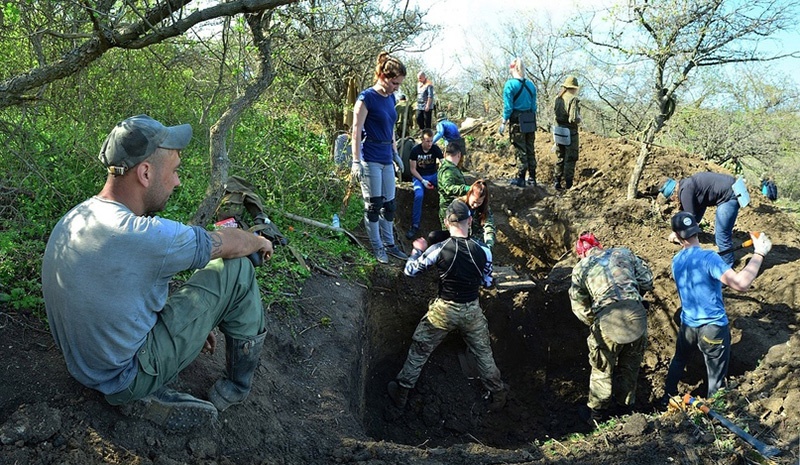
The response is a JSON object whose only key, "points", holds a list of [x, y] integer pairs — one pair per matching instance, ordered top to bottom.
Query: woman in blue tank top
{"points": [[374, 149]]}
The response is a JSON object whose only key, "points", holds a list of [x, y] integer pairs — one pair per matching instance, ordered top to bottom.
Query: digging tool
{"points": [[744, 245], [763, 449]]}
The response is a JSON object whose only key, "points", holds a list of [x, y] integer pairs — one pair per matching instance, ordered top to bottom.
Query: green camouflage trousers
{"points": [[567, 159], [442, 318], [615, 368]]}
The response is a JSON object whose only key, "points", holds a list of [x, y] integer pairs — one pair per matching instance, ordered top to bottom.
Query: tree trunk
{"points": [[219, 131], [644, 155]]}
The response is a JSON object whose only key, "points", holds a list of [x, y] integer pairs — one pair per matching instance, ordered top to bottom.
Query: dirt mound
{"points": [[320, 390]]}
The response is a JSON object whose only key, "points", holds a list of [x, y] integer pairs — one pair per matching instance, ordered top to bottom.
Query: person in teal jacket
{"points": [[519, 96]]}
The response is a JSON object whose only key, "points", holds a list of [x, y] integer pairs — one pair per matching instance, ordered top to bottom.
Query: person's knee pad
{"points": [[372, 208], [388, 210]]}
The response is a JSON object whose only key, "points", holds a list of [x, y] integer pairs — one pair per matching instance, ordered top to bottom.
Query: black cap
{"points": [[458, 211], [684, 225]]}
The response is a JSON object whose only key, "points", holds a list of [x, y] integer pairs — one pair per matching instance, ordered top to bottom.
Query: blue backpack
{"points": [[772, 190]]}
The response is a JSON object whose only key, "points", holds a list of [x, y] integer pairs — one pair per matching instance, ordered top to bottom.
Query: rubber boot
{"points": [[520, 180], [557, 184], [568, 184], [374, 233], [241, 361], [398, 394], [498, 399], [175, 411], [592, 416]]}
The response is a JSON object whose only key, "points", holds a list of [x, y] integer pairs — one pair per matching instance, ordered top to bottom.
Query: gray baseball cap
{"points": [[136, 138]]}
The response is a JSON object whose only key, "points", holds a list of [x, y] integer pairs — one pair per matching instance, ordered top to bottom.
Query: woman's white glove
{"points": [[399, 162], [356, 171], [761, 244]]}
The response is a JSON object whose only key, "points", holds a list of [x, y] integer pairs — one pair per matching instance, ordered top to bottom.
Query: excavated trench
{"points": [[539, 345]]}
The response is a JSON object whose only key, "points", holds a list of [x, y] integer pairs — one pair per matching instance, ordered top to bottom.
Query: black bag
{"points": [[527, 119], [527, 122]]}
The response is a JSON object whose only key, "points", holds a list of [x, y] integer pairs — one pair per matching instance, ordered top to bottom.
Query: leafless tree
{"points": [[675, 37], [548, 56]]}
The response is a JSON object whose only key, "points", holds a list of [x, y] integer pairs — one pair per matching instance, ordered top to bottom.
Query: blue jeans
{"points": [[419, 194], [723, 227], [714, 342]]}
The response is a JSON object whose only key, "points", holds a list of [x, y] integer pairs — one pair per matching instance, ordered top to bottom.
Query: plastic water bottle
{"points": [[335, 223]]}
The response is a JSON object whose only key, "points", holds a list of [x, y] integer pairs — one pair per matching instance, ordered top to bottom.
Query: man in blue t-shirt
{"points": [[423, 163], [699, 275]]}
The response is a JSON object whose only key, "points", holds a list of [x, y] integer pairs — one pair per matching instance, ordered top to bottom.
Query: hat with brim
{"points": [[571, 82], [441, 116], [133, 140], [623, 322]]}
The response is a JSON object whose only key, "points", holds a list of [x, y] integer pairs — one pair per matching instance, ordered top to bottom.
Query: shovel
{"points": [[744, 245], [763, 449]]}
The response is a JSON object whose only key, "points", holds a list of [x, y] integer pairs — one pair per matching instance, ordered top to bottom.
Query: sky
{"points": [[478, 18]]}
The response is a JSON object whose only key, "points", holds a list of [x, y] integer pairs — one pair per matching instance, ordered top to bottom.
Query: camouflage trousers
{"points": [[523, 147], [567, 159], [442, 318], [615, 368]]}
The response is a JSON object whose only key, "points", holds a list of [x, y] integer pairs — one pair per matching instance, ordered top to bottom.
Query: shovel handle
{"points": [[745, 244], [696, 403]]}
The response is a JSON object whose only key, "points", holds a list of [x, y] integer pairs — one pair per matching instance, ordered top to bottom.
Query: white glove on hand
{"points": [[501, 129], [399, 162], [356, 171], [761, 244]]}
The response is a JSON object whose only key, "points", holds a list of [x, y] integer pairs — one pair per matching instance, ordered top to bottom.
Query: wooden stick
{"points": [[318, 224]]}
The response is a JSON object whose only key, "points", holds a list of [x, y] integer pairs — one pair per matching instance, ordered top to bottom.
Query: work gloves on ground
{"points": [[356, 171], [761, 243]]}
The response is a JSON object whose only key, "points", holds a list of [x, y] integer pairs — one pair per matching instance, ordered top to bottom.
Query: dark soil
{"points": [[319, 394]]}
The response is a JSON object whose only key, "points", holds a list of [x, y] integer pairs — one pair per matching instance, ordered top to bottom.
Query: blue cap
{"points": [[668, 188]]}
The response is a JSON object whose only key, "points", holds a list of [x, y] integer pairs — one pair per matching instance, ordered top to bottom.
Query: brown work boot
{"points": [[398, 394]]}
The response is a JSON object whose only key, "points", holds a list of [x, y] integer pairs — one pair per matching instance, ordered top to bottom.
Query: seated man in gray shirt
{"points": [[105, 278]]}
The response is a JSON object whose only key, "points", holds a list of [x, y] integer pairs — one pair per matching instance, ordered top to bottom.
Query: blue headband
{"points": [[668, 188]]}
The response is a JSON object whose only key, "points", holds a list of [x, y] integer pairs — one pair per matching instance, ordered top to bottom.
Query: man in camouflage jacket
{"points": [[451, 180], [606, 294]]}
